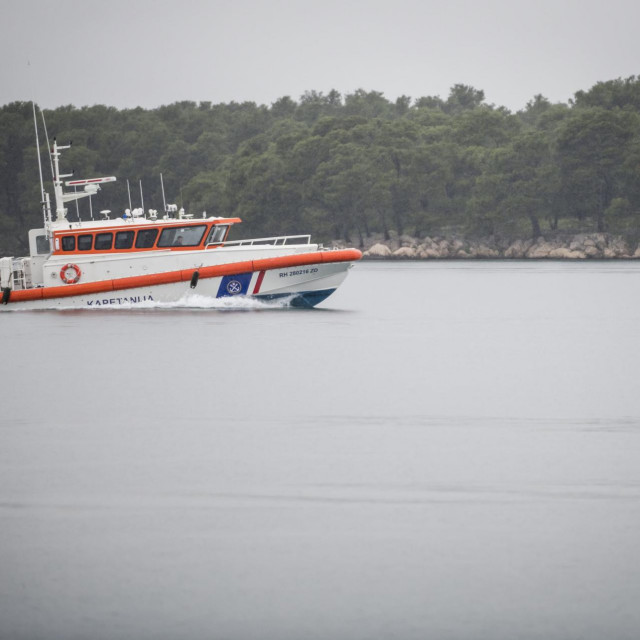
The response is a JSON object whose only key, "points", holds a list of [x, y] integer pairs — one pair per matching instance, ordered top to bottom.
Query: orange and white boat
{"points": [[142, 257]]}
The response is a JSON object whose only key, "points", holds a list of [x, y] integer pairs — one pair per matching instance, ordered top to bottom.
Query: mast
{"points": [[46, 134], [91, 185], [129, 194], [141, 197], [43, 200], [164, 202], [61, 212]]}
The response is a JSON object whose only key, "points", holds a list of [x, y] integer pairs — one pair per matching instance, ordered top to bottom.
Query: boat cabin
{"points": [[174, 236]]}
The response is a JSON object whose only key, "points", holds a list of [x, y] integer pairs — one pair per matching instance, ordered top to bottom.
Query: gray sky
{"points": [[153, 52]]}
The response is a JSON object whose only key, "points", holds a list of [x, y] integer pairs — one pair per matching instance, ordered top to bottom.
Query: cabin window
{"points": [[217, 233], [182, 236], [146, 238], [124, 239], [103, 241], [68, 243], [85, 243], [42, 245]]}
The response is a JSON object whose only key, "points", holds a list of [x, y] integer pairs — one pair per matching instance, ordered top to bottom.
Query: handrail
{"points": [[275, 241], [19, 273]]}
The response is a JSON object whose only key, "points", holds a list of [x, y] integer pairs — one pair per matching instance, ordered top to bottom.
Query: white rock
{"points": [[601, 240], [619, 246], [518, 249], [541, 249], [378, 250], [592, 251], [405, 252], [565, 253]]}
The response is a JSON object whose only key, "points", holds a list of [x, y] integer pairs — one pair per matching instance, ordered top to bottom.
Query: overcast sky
{"points": [[152, 52]]}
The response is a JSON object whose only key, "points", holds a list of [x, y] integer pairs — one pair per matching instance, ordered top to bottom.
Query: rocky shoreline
{"points": [[595, 246]]}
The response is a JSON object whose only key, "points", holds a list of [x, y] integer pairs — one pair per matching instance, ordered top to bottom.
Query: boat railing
{"points": [[275, 241], [15, 273]]}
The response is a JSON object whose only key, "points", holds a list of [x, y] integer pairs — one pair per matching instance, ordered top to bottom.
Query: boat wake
{"points": [[195, 301], [227, 303]]}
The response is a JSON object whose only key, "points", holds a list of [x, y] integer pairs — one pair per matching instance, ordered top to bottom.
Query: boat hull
{"points": [[304, 285]]}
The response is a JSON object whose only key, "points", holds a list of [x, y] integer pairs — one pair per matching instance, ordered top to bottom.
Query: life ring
{"points": [[70, 273]]}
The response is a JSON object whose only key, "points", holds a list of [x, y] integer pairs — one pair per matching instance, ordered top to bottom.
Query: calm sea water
{"points": [[442, 450]]}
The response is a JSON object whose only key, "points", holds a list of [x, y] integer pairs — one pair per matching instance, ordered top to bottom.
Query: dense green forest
{"points": [[346, 167]]}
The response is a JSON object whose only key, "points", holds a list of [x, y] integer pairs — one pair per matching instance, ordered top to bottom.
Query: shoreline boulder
{"points": [[582, 246], [378, 250]]}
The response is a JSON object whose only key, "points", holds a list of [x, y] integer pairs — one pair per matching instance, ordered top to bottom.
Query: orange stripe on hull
{"points": [[185, 275]]}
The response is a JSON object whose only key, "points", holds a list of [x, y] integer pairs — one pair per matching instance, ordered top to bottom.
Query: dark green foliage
{"points": [[593, 144], [346, 167]]}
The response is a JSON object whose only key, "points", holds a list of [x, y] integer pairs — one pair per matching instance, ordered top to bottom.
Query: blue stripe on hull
{"points": [[234, 285], [303, 299]]}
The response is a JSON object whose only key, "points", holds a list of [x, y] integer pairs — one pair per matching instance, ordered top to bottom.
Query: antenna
{"points": [[35, 124], [44, 124], [75, 190], [129, 192], [141, 197], [164, 202]]}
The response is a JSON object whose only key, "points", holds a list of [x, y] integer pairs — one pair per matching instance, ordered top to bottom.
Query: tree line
{"points": [[345, 167]]}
